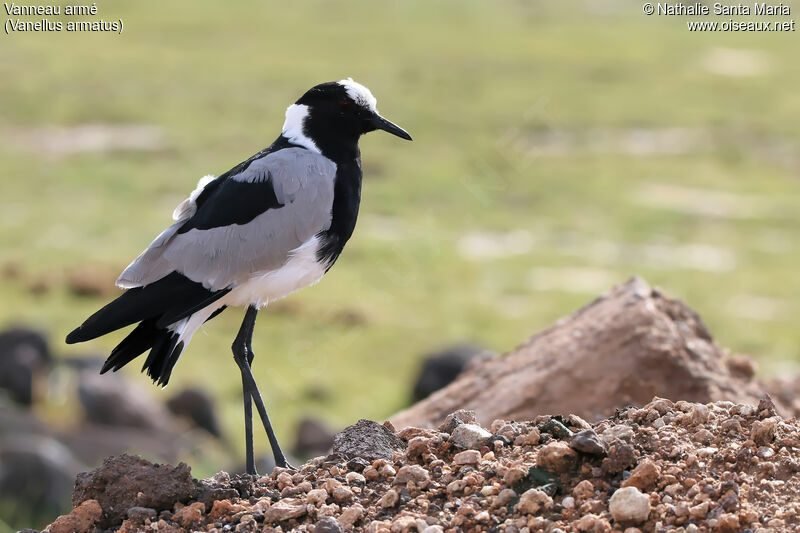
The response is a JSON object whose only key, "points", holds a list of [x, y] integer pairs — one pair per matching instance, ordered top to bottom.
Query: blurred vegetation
{"points": [[558, 149]]}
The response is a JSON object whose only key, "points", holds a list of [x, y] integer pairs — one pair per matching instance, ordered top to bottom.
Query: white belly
{"points": [[300, 270]]}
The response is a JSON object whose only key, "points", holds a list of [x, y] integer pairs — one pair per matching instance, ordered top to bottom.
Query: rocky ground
{"points": [[720, 456], [664, 467]]}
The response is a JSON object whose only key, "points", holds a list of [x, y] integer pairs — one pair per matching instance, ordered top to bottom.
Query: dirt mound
{"points": [[623, 349], [703, 467]]}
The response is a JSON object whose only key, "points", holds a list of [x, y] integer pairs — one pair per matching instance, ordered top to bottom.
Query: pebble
{"points": [[457, 418], [763, 431], [617, 432], [469, 436], [588, 442], [467, 457], [556, 457], [413, 473], [643, 476], [354, 478], [583, 490], [342, 494], [317, 497], [504, 498], [390, 499], [532, 501], [568, 502], [629, 505], [284, 510], [140, 514], [190, 515], [351, 515], [82, 518], [328, 524]]}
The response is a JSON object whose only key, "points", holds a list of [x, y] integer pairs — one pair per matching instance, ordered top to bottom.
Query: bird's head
{"points": [[332, 116]]}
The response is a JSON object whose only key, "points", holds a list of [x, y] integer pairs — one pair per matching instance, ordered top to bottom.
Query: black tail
{"points": [[174, 296], [155, 307]]}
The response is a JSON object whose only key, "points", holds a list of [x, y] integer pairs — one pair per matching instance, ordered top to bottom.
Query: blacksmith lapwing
{"points": [[271, 225]]}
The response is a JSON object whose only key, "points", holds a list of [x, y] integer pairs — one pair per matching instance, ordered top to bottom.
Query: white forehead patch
{"points": [[360, 94]]}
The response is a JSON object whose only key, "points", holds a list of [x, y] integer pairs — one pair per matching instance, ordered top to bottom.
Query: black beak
{"points": [[382, 124]]}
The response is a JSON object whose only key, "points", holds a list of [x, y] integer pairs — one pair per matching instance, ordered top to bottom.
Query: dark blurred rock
{"points": [[24, 355], [440, 368], [114, 401], [197, 406], [314, 438], [367, 439], [36, 474], [127, 481]]}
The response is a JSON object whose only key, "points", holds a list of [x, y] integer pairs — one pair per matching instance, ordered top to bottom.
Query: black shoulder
{"points": [[226, 200]]}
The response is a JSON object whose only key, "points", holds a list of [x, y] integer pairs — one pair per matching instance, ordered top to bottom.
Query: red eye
{"points": [[345, 104]]}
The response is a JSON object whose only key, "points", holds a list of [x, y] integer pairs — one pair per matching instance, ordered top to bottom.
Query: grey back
{"points": [[221, 257]]}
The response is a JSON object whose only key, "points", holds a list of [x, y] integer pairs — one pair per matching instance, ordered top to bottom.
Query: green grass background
{"points": [[518, 111]]}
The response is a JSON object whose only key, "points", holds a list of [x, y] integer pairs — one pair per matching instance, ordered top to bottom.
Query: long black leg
{"points": [[241, 351], [243, 355]]}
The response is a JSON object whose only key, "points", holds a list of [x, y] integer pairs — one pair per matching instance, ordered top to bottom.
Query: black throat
{"points": [[346, 197]]}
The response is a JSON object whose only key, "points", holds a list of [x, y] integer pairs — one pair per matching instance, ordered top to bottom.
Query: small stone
{"points": [[766, 407], [699, 414], [455, 419], [731, 425], [763, 431], [617, 432], [469, 436], [703, 436], [587, 441], [417, 447], [765, 452], [621, 456], [467, 457], [556, 457], [387, 471], [371, 473], [414, 473], [643, 476], [354, 478], [583, 490], [342, 494], [317, 497], [389, 499], [503, 499], [532, 501], [568, 502], [629, 505], [222, 508], [284, 510], [699, 511], [140, 514], [190, 515], [351, 515], [81, 519], [403, 523], [587, 523], [328, 524], [433, 529]]}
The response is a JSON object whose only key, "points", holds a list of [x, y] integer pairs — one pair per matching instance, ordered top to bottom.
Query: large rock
{"points": [[624, 348], [368, 440], [127, 481]]}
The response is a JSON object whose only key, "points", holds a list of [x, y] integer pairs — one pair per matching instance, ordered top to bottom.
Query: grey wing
{"points": [[251, 222]]}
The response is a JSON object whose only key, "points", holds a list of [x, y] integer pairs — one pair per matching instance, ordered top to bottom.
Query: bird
{"points": [[271, 225]]}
